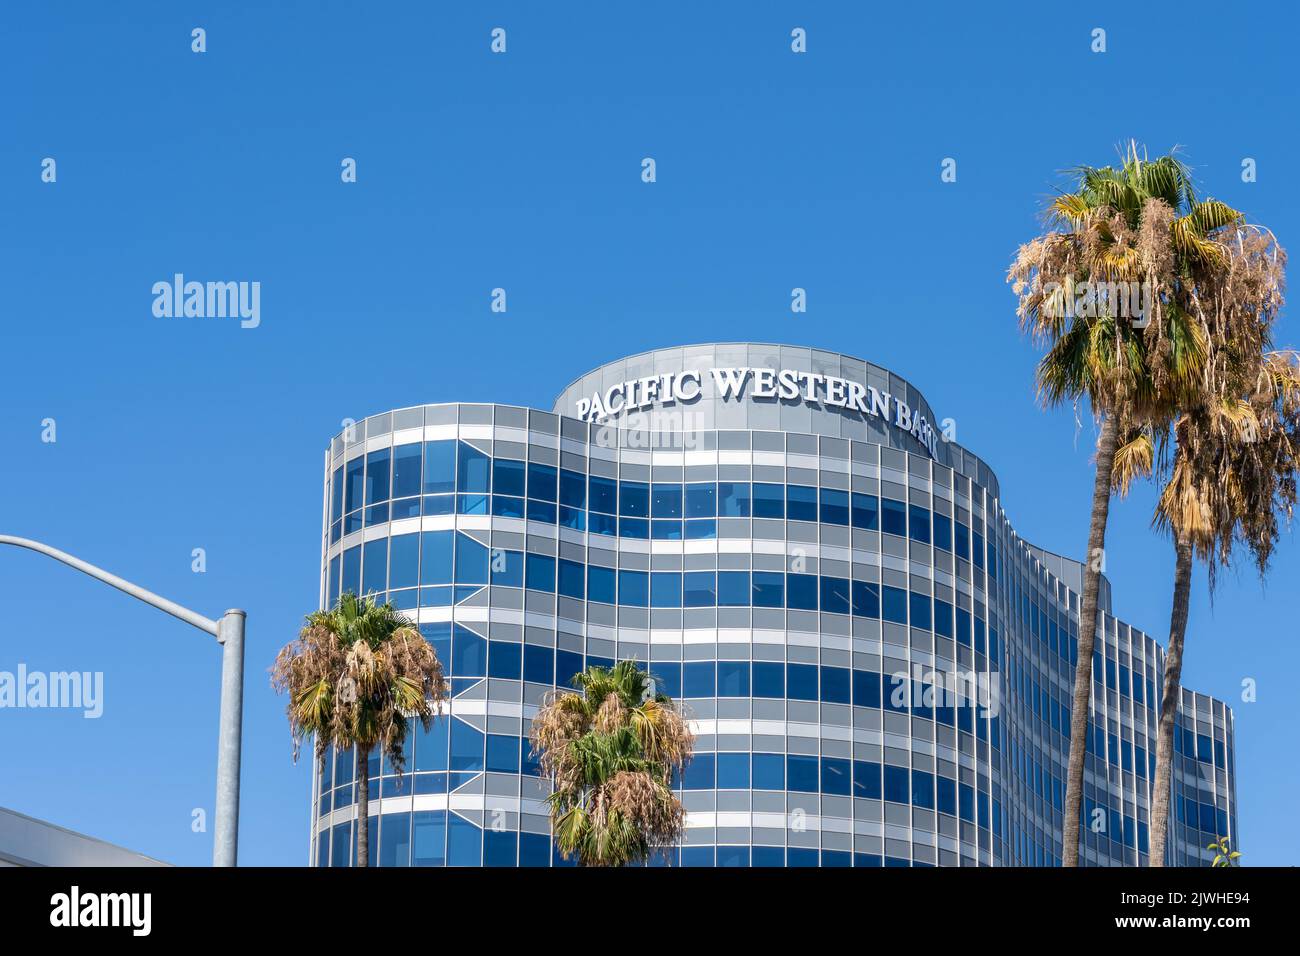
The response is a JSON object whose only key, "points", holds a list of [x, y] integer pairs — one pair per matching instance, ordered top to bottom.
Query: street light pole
{"points": [[229, 632]]}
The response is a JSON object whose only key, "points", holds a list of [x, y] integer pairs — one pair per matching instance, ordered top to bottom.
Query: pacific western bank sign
{"points": [[760, 384]]}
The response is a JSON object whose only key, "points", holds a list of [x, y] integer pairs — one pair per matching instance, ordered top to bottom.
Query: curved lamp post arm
{"points": [[171, 607], [229, 632]]}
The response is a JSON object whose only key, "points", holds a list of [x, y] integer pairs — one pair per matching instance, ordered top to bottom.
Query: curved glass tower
{"points": [[878, 668]]}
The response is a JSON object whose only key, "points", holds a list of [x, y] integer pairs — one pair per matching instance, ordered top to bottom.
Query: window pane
{"points": [[439, 467], [471, 469], [377, 476], [733, 499], [701, 500], [666, 501], [769, 501], [801, 503], [893, 516], [435, 557], [665, 589]]}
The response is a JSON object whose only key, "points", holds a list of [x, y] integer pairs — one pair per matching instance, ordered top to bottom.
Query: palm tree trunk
{"points": [[1106, 444], [1160, 788], [363, 808]]}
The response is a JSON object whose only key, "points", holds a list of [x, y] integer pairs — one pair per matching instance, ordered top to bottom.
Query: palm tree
{"points": [[1139, 225], [1233, 472], [354, 676], [609, 752]]}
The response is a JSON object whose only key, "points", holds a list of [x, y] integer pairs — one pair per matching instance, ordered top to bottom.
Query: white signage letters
{"points": [[731, 384]]}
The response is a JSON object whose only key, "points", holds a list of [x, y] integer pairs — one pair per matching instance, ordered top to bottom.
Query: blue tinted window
{"points": [[440, 467], [406, 470], [471, 470], [377, 475], [508, 477], [541, 481], [355, 483], [573, 489], [336, 494], [604, 495], [634, 499], [733, 499], [701, 500], [769, 500], [666, 501], [801, 503], [834, 506], [865, 511], [893, 516], [919, 523], [634, 527], [701, 528], [943, 532], [963, 541], [435, 557], [471, 561], [375, 566], [507, 568], [352, 569], [541, 572], [571, 578], [600, 584], [634, 588], [733, 588], [665, 589], [700, 589], [769, 589], [801, 591], [835, 595], [866, 599], [893, 604], [920, 607], [943, 618], [468, 655], [504, 659], [539, 664], [568, 665], [668, 677], [733, 678], [699, 679], [769, 679], [801, 681], [835, 685], [866, 689], [894, 692], [431, 745], [466, 746], [502, 753], [733, 771], [769, 771], [699, 773], [802, 773], [837, 776], [866, 779], [896, 787], [922, 789], [946, 795], [429, 838], [464, 843], [499, 847]]}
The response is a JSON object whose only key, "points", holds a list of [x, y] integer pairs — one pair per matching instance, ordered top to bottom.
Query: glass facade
{"points": [[877, 667]]}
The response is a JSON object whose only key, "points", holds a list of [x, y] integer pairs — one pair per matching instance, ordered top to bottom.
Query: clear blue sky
{"points": [[522, 171]]}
